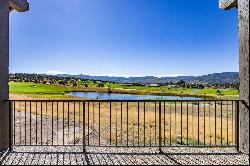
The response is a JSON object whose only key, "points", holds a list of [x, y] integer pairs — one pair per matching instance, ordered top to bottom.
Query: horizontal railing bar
{"points": [[82, 100], [136, 146], [168, 146]]}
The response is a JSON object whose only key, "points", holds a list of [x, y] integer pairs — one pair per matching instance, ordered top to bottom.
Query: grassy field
{"points": [[31, 88], [170, 89], [60, 90]]}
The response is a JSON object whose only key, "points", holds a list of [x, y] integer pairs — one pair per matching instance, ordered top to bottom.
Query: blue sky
{"points": [[124, 37]]}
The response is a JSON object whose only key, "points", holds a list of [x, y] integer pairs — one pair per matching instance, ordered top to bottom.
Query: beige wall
{"points": [[244, 73]]}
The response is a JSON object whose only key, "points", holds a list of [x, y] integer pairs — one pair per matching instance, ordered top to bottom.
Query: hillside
{"points": [[215, 78]]}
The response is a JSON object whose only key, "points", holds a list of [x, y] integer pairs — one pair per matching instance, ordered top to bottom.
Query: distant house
{"points": [[98, 82], [128, 84], [153, 85]]}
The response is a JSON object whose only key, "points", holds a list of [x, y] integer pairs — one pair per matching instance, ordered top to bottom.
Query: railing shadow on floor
{"points": [[3, 156], [94, 157]]}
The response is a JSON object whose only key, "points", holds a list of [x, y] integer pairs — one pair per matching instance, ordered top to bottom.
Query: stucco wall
{"points": [[244, 73]]}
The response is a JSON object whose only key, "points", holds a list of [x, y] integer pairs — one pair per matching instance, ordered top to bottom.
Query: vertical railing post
{"points": [[181, 123], [10, 126], [237, 126], [84, 128], [160, 139]]}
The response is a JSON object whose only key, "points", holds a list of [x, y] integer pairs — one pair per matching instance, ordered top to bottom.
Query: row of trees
{"points": [[53, 79], [183, 84], [216, 85]]}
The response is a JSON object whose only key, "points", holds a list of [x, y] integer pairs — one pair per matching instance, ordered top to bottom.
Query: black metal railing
{"points": [[120, 123]]}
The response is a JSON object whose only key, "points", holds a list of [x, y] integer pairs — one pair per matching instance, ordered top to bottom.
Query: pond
{"points": [[119, 96]]}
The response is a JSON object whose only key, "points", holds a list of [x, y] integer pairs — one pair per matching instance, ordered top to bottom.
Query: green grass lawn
{"points": [[32, 88], [169, 89], [223, 91]]}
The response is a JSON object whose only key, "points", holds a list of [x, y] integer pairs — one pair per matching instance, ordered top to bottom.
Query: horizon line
{"points": [[120, 75]]}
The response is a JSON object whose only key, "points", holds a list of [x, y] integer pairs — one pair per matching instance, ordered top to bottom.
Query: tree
{"points": [[181, 83], [101, 84], [218, 92]]}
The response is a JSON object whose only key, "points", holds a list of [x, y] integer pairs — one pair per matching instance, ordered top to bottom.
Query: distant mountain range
{"points": [[215, 78]]}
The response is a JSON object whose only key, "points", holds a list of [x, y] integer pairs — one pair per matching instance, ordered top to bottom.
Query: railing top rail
{"points": [[110, 100]]}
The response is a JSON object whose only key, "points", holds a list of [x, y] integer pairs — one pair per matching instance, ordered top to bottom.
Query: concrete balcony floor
{"points": [[49, 155]]}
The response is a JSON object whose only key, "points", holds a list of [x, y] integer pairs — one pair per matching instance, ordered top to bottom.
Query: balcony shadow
{"points": [[3, 156], [101, 157]]}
